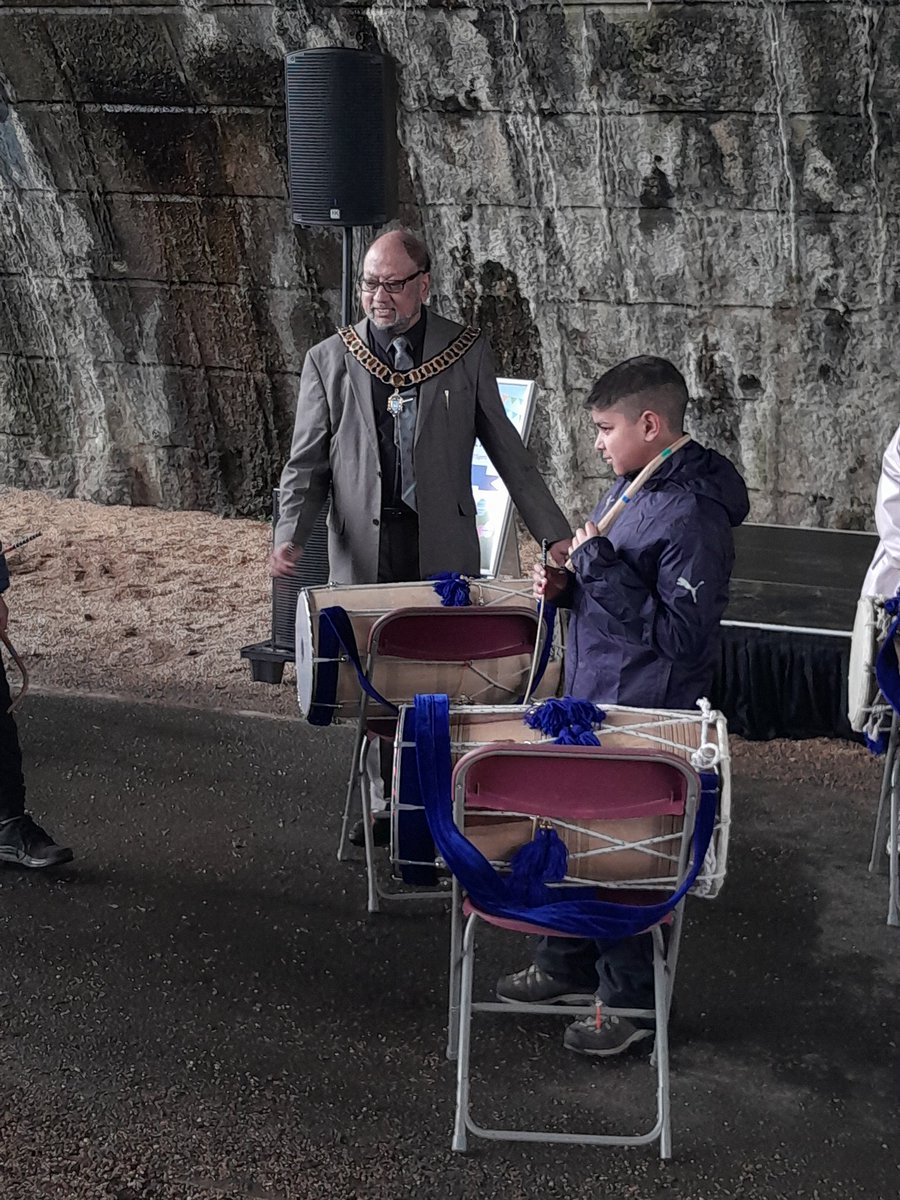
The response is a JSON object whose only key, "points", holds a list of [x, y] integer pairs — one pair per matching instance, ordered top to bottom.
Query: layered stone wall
{"points": [[714, 181]]}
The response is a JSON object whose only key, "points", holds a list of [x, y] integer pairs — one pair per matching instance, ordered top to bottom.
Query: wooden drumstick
{"points": [[631, 490], [17, 545], [540, 631], [23, 670]]}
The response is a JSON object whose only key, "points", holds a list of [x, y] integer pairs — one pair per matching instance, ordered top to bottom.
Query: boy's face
{"points": [[627, 445]]}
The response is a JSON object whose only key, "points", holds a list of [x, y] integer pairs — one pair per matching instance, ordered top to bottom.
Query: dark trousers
{"points": [[398, 547], [398, 562], [12, 782], [619, 973]]}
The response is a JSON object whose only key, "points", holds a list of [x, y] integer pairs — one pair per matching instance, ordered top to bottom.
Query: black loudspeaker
{"points": [[342, 137]]}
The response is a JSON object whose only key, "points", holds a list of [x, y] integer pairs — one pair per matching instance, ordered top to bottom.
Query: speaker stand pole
{"points": [[347, 277]]}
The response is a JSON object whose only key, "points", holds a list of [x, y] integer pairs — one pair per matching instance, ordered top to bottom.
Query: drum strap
{"points": [[336, 633], [560, 909]]}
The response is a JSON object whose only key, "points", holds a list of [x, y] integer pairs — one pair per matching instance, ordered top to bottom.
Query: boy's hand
{"points": [[587, 531], [559, 551], [549, 582], [4, 615]]}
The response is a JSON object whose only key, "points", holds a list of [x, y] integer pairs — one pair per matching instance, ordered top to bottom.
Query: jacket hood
{"points": [[704, 472]]}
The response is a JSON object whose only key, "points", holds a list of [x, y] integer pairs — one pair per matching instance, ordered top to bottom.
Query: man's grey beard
{"points": [[400, 326]]}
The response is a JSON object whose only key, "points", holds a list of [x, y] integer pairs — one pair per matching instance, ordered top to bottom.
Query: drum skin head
{"points": [[306, 668], [862, 687]]}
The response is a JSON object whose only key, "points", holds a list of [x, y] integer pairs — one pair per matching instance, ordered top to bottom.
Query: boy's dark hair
{"points": [[639, 384]]}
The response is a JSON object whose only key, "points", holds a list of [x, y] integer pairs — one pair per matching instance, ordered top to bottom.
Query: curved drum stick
{"points": [[628, 493], [540, 633], [13, 653], [23, 670]]}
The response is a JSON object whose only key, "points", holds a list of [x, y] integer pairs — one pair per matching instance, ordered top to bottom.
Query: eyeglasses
{"points": [[392, 286]]}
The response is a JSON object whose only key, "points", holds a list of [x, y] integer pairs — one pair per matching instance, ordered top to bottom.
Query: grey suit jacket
{"points": [[335, 445]]}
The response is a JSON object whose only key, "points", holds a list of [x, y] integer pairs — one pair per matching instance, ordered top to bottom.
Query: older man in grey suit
{"points": [[387, 416]]}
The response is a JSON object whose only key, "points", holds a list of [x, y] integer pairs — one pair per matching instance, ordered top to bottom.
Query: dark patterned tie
{"points": [[405, 423]]}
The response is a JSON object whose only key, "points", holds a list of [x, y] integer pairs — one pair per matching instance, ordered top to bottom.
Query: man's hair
{"points": [[412, 243], [641, 384]]}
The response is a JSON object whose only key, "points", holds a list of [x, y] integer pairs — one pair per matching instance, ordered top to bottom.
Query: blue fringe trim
{"points": [[452, 588], [570, 722], [541, 861]]}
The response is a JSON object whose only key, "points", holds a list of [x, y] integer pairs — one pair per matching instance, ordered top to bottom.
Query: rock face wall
{"points": [[718, 182]]}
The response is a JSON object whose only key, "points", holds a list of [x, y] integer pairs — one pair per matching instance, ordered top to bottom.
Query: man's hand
{"points": [[587, 531], [559, 551], [284, 558], [549, 582], [4, 615]]}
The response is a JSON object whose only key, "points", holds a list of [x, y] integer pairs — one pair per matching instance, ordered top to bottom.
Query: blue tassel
{"points": [[452, 588], [892, 606], [571, 722], [577, 735], [541, 861]]}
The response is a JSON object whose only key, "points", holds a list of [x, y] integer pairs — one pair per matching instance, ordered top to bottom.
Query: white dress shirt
{"points": [[883, 577]]}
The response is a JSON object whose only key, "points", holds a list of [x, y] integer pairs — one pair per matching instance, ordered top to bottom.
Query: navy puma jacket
{"points": [[647, 599]]}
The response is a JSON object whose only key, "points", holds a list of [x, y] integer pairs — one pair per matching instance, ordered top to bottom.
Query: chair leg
{"points": [[353, 782], [881, 815], [374, 892], [893, 918], [671, 958], [467, 971], [453, 983], [661, 1046]]}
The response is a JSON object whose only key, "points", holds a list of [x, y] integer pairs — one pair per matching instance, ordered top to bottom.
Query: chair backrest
{"points": [[454, 634], [626, 816]]}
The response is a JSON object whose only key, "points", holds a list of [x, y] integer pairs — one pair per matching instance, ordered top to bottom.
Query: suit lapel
{"points": [[438, 336], [361, 387]]}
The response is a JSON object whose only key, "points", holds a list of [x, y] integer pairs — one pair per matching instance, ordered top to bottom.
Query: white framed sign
{"points": [[493, 508]]}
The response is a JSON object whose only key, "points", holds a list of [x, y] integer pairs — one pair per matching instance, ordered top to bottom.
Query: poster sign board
{"points": [[493, 507]]}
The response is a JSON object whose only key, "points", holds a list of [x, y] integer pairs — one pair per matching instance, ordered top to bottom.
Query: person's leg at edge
{"points": [[22, 841]]}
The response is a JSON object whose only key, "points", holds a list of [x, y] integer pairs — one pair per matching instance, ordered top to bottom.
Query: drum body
{"points": [[398, 680], [867, 710], [678, 733]]}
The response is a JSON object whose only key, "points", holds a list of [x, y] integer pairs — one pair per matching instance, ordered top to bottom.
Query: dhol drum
{"points": [[486, 681], [867, 710], [701, 737]]}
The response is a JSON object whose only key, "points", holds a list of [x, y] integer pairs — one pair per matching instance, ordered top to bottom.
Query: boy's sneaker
{"points": [[23, 842], [534, 986], [615, 1036]]}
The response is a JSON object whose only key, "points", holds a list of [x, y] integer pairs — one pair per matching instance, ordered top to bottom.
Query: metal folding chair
{"points": [[475, 654], [593, 796]]}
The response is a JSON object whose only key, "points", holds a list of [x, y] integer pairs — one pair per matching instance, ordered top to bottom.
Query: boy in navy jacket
{"points": [[646, 603], [22, 841]]}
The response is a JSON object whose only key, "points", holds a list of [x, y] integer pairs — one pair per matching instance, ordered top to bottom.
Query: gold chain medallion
{"points": [[405, 379]]}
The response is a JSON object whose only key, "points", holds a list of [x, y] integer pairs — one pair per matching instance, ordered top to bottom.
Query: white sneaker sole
{"points": [[35, 864], [566, 998], [639, 1035]]}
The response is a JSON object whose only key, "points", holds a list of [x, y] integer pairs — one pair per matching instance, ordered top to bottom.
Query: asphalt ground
{"points": [[199, 1006]]}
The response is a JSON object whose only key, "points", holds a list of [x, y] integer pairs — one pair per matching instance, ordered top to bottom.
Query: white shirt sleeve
{"points": [[887, 501]]}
